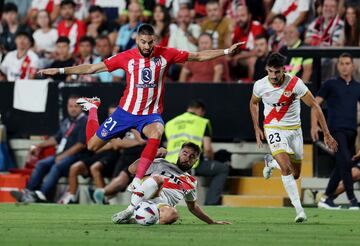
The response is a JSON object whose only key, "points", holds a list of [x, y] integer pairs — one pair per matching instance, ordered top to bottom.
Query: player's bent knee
{"points": [[96, 168], [168, 215]]}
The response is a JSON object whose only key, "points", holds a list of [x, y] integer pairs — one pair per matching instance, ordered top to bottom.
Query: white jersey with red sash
{"points": [[19, 68], [282, 103], [178, 185]]}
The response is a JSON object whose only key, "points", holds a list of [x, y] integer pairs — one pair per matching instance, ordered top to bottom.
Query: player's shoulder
{"points": [[263, 82]]}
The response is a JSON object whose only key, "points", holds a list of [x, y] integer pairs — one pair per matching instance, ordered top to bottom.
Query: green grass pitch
{"points": [[91, 225]]}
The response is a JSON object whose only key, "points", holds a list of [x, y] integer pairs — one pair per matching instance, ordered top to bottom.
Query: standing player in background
{"points": [[280, 93], [142, 102]]}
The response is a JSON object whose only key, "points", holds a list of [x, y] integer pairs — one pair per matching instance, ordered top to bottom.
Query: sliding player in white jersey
{"points": [[281, 94], [166, 186]]}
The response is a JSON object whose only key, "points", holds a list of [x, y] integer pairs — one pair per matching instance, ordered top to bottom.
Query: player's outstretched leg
{"points": [[91, 105], [154, 132], [144, 191]]}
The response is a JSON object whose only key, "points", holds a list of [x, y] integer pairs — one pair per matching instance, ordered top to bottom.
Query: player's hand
{"points": [[235, 48], [48, 72], [315, 133], [259, 137], [330, 142], [161, 153], [356, 156], [221, 223]]}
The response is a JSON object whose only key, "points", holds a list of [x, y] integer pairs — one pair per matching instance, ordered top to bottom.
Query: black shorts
{"points": [[128, 156], [107, 158]]}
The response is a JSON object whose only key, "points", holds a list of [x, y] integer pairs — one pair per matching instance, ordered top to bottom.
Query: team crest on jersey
{"points": [[157, 61], [146, 75], [287, 93], [104, 132]]}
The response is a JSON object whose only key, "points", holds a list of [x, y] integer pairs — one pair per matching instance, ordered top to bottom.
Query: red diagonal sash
{"points": [[290, 9], [25, 66], [286, 99]]}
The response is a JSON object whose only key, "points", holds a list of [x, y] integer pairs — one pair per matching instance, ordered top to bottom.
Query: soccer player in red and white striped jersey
{"points": [[142, 102]]}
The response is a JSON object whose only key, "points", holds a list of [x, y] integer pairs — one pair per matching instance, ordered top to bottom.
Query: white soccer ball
{"points": [[147, 213]]}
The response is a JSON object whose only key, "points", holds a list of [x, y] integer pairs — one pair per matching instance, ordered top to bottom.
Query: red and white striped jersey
{"points": [[145, 77], [282, 103], [178, 185]]}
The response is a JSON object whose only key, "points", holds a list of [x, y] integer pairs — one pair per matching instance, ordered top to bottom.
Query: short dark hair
{"points": [[67, 2], [213, 2], [10, 7], [96, 8], [280, 17], [146, 29], [25, 34], [261, 36], [63, 39], [88, 39], [346, 55], [276, 60], [73, 96], [197, 104], [193, 146]]}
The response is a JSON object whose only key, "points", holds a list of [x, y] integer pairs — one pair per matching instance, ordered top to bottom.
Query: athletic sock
{"points": [[92, 124], [147, 157], [291, 189], [145, 191]]}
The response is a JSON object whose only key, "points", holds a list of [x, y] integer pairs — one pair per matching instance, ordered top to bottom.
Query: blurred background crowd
{"points": [[38, 34]]}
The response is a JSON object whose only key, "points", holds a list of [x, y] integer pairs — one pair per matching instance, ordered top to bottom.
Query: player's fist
{"points": [[235, 48], [48, 72], [330, 142]]}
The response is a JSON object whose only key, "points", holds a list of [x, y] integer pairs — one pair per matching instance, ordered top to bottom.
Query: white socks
{"points": [[274, 164], [291, 189], [146, 191]]}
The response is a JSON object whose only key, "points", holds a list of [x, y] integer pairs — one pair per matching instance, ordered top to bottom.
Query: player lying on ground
{"points": [[281, 94], [140, 107], [166, 185]]}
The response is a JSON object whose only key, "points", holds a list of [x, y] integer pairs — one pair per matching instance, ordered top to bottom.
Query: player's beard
{"points": [[146, 54], [182, 166]]}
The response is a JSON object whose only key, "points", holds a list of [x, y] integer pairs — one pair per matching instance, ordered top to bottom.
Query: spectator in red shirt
{"points": [[70, 27], [245, 30], [194, 72]]}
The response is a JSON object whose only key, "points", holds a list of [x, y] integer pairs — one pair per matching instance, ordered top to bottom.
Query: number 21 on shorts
{"points": [[110, 124]]}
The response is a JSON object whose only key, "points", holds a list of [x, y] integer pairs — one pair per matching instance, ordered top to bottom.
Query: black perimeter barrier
{"points": [[227, 107]]}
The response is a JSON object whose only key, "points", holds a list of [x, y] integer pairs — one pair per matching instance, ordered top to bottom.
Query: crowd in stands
{"points": [[39, 34]]}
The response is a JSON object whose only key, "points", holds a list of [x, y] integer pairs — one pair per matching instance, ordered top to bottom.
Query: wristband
{"points": [[226, 51], [62, 70]]}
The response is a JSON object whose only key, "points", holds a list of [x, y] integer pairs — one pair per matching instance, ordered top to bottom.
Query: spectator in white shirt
{"points": [[45, 38], [21, 63]]}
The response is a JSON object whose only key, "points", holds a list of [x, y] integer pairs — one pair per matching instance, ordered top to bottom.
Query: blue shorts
{"points": [[121, 121]]}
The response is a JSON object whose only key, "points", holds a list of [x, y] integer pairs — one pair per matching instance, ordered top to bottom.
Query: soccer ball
{"points": [[147, 213]]}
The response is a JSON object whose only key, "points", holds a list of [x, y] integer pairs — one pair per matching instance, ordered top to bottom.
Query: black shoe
{"points": [[18, 195], [327, 204], [354, 204]]}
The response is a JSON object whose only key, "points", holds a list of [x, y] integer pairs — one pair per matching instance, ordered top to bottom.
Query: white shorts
{"points": [[285, 140]]}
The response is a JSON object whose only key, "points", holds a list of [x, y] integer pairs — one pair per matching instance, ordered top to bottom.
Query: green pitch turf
{"points": [[91, 225]]}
